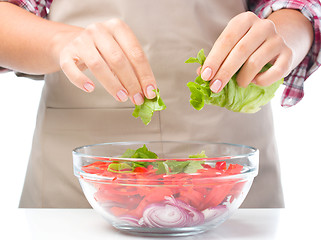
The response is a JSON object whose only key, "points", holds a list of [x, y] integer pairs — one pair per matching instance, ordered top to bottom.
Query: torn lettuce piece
{"points": [[232, 97], [147, 109], [142, 152], [200, 155]]}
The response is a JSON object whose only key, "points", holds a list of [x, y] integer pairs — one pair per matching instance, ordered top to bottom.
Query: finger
{"points": [[233, 32], [249, 43], [268, 51], [136, 56], [118, 63], [97, 65], [280, 69], [198, 70], [72, 72]]}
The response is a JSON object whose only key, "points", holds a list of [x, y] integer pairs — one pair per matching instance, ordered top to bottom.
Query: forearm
{"points": [[296, 30], [29, 43]]}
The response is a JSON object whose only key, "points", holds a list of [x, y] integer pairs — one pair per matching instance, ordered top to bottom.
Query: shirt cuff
{"points": [[294, 82]]}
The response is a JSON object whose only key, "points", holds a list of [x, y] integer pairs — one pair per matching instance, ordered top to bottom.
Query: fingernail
{"points": [[206, 74], [216, 85], [89, 87], [150, 92], [122, 96], [138, 99]]}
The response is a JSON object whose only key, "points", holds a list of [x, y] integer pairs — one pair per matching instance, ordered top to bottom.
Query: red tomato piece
{"points": [[206, 165], [220, 165], [96, 168], [141, 169], [234, 169], [218, 193], [157, 195], [191, 197], [118, 211], [138, 212]]}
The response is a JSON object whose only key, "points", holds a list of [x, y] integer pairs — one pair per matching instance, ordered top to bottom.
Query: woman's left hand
{"points": [[248, 42]]}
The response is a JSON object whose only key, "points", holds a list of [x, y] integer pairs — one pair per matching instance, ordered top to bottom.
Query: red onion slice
{"points": [[212, 213], [170, 214], [164, 215], [196, 216], [133, 221]]}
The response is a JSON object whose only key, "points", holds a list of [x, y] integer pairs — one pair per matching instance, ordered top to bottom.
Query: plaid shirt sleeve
{"points": [[38, 7], [311, 9]]}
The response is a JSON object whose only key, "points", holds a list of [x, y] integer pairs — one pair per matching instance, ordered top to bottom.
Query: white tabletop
{"points": [[79, 224]]}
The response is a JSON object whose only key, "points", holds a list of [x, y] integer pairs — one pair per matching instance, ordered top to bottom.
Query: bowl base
{"points": [[160, 232]]}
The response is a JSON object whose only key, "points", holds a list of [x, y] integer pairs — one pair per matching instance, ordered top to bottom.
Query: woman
{"points": [[128, 48]]}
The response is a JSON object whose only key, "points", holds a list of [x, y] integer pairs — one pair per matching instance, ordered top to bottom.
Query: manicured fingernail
{"points": [[206, 74], [216, 85], [89, 87], [150, 92], [122, 96], [138, 99]]}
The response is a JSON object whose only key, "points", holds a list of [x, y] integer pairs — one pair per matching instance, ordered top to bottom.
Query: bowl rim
{"points": [[253, 151], [250, 173]]}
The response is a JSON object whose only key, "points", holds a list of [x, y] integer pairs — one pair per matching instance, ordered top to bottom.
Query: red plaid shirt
{"points": [[294, 82]]}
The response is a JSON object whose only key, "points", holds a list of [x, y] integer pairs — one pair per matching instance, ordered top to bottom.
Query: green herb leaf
{"points": [[201, 57], [192, 60], [232, 97], [147, 109], [143, 152], [128, 153], [200, 155], [177, 166], [193, 166], [119, 167], [162, 168]]}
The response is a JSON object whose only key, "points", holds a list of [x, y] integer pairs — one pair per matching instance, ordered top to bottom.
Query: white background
{"points": [[298, 132]]}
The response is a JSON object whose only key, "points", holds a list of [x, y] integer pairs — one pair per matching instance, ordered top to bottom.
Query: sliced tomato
{"points": [[220, 165], [141, 169], [234, 169], [158, 194], [191, 197], [118, 211]]}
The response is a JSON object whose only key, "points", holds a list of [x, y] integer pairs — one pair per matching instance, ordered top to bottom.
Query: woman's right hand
{"points": [[113, 54]]}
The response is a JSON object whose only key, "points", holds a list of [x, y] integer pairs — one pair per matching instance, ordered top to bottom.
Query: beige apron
{"points": [[170, 31]]}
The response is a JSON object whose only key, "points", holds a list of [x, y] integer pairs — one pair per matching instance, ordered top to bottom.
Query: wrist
{"points": [[296, 30]]}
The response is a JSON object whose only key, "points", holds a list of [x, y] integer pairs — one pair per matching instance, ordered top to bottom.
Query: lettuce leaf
{"points": [[232, 97], [147, 109], [142, 152], [200, 155], [163, 167]]}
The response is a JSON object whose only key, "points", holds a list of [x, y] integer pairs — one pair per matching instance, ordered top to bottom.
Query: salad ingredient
{"points": [[232, 97], [147, 109], [142, 152], [200, 155], [163, 193], [171, 213], [211, 213], [164, 215], [196, 216], [130, 220]]}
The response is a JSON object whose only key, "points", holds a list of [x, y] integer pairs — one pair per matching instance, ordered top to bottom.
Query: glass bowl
{"points": [[191, 187]]}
